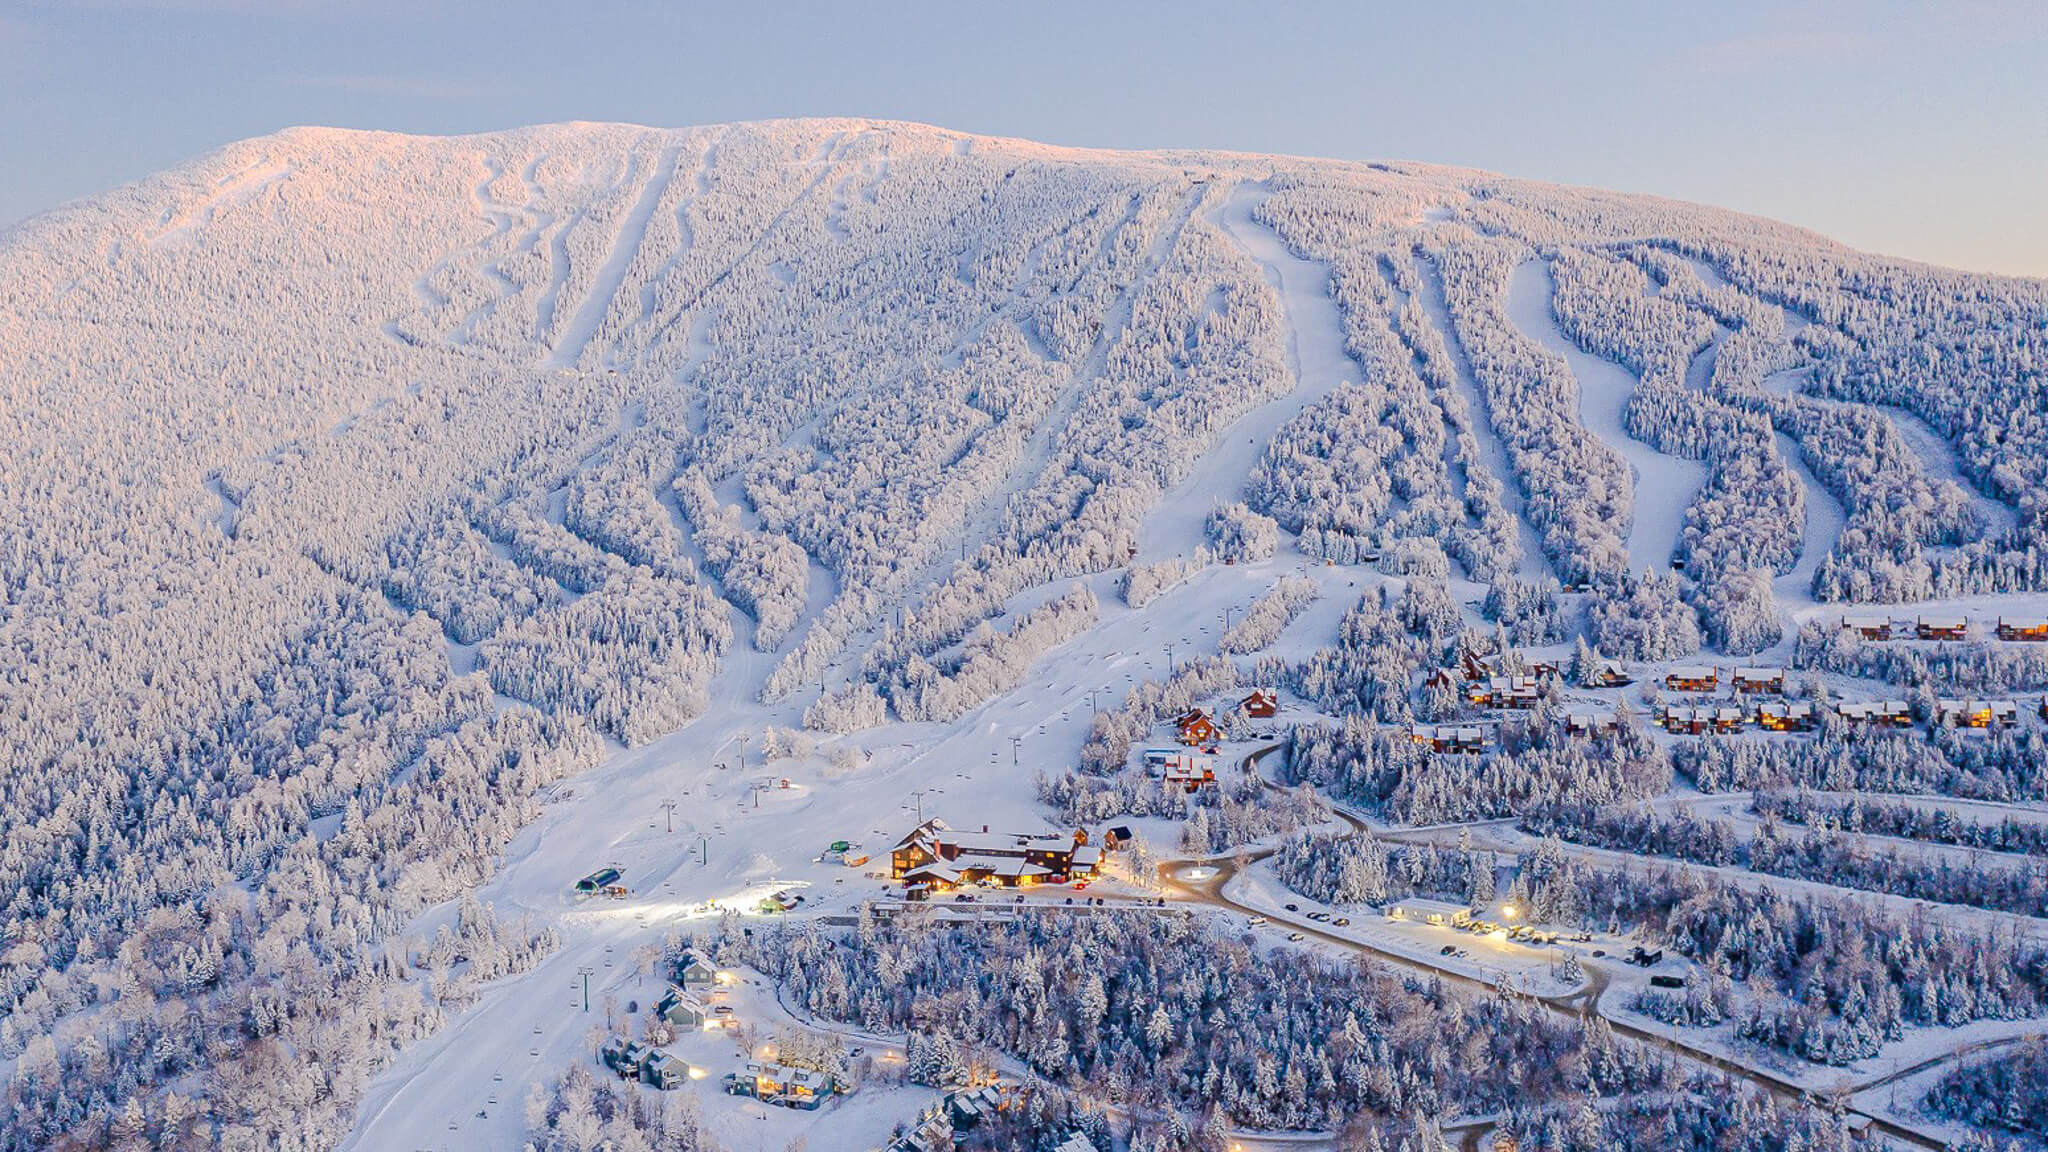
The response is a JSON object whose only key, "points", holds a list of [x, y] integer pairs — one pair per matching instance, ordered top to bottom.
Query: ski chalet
{"points": [[935, 856]]}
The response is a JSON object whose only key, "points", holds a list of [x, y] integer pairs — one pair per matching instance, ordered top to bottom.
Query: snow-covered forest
{"points": [[369, 492]]}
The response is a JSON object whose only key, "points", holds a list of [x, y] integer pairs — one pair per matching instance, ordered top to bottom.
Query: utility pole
{"points": [[1015, 742], [669, 807], [703, 849], [585, 973]]}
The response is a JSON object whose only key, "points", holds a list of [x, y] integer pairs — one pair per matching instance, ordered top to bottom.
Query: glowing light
{"points": [[1509, 911]]}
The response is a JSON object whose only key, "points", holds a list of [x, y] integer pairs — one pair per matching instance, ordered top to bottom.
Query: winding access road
{"points": [[1581, 1004]]}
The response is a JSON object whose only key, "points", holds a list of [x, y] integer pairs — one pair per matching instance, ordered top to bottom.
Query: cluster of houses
{"points": [[1944, 626], [1701, 678], [1516, 684], [1876, 713], [1979, 713], [1802, 716], [1695, 720], [1198, 728], [1456, 739], [936, 857], [643, 1064], [773, 1083], [962, 1109]]}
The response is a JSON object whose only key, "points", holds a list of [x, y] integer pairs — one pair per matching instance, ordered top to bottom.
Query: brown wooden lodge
{"points": [[935, 855]]}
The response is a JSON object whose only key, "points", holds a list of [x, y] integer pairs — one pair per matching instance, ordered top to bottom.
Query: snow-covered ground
{"points": [[1315, 353], [1493, 452], [1940, 460], [1664, 485], [734, 841], [1490, 957]]}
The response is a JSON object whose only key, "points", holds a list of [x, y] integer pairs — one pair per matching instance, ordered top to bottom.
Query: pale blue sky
{"points": [[1918, 129]]}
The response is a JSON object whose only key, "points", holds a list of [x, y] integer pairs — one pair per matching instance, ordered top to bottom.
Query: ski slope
{"points": [[1315, 353], [347, 459], [1664, 485], [733, 843]]}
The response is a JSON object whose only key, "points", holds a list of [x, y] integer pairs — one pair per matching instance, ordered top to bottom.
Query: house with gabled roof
{"points": [[1942, 626], [2023, 627], [1692, 678], [1195, 728], [942, 857], [682, 1009]]}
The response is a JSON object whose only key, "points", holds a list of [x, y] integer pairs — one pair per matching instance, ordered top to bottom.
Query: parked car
{"points": [[1294, 907], [1319, 916], [1254, 921], [1342, 921], [1295, 936], [1448, 950], [1668, 981]]}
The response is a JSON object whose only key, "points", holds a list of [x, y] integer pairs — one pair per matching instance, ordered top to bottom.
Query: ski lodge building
{"points": [[934, 854]]}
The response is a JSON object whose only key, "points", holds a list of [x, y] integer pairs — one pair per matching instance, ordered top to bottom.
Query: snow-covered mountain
{"points": [[365, 492]]}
